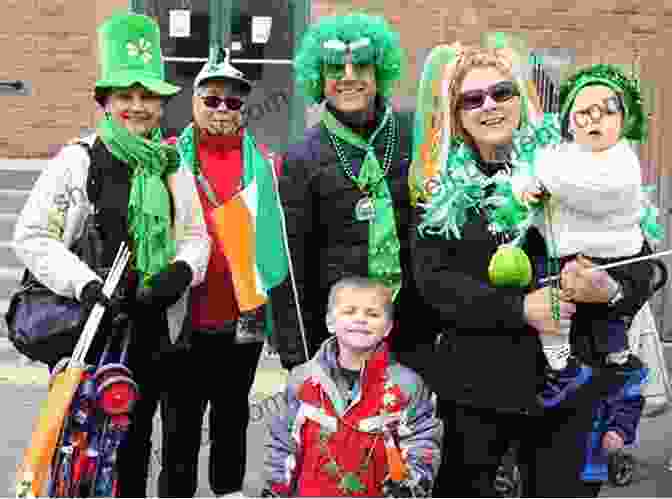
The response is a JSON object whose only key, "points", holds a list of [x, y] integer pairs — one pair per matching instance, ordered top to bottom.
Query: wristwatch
{"points": [[617, 296]]}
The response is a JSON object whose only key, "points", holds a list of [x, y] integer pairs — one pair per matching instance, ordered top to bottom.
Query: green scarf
{"points": [[149, 214], [383, 241]]}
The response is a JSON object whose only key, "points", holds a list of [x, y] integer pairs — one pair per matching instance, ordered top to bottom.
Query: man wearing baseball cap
{"points": [[236, 188]]}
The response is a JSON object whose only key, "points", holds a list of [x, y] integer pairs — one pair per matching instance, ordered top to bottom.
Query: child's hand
{"points": [[532, 196], [612, 441]]}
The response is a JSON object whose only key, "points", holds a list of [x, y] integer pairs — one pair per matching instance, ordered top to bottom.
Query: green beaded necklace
{"points": [[390, 141]]}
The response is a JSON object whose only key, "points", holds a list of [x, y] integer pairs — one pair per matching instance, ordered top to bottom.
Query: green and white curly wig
{"points": [[371, 40]]}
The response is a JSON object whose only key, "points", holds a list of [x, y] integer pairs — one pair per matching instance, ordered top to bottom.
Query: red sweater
{"points": [[213, 303]]}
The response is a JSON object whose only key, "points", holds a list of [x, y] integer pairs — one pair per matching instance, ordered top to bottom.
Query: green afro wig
{"points": [[383, 50]]}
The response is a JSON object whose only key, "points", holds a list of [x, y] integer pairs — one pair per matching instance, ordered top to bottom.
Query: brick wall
{"points": [[52, 45]]}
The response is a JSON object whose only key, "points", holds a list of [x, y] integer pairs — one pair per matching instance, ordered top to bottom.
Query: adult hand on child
{"points": [[581, 284], [539, 311], [612, 441]]}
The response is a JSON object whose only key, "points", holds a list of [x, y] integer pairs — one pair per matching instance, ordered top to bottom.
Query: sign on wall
{"points": [[179, 23]]}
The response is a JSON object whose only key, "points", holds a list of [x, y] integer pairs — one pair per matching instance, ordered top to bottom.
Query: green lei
{"points": [[463, 190]]}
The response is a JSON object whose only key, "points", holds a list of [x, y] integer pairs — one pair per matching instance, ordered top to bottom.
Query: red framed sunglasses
{"points": [[499, 92], [231, 103]]}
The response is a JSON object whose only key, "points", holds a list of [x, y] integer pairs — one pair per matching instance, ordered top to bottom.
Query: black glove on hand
{"points": [[167, 286], [92, 293]]}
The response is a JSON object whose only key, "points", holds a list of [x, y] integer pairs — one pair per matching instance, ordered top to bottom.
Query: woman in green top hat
{"points": [[131, 175]]}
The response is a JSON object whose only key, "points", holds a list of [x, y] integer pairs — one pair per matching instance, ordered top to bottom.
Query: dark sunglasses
{"points": [[499, 92], [232, 103], [610, 106]]}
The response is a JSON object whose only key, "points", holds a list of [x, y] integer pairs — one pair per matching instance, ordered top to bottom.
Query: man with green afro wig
{"points": [[371, 42], [344, 186]]}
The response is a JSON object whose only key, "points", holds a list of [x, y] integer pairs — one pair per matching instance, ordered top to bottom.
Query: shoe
{"points": [[557, 355], [633, 363], [560, 384], [579, 384], [238, 493]]}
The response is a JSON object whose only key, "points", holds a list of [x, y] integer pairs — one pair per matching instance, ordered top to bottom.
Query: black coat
{"points": [[325, 240], [489, 357]]}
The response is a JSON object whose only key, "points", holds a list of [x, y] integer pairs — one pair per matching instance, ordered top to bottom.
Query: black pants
{"points": [[218, 371], [551, 451]]}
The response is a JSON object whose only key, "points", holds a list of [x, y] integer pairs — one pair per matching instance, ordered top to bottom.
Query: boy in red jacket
{"points": [[357, 423]]}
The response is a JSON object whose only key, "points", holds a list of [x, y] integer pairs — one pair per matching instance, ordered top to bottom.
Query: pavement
{"points": [[23, 388]]}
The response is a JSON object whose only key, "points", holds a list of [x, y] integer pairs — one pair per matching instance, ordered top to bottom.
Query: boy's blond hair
{"points": [[358, 282]]}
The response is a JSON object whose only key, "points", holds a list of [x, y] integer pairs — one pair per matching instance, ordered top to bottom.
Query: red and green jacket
{"points": [[320, 427]]}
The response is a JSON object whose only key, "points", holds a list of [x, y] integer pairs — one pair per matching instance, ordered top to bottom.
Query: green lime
{"points": [[510, 267]]}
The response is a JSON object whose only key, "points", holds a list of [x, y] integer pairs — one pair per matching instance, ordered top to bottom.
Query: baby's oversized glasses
{"points": [[499, 92], [214, 101], [610, 106]]}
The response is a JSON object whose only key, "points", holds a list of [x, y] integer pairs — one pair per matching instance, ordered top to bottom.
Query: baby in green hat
{"points": [[595, 204]]}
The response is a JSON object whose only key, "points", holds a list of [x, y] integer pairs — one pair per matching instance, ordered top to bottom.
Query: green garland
{"points": [[463, 189], [649, 217]]}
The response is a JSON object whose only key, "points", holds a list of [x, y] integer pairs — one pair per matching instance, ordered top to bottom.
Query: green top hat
{"points": [[130, 52]]}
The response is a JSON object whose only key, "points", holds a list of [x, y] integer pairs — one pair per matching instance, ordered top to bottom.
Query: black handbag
{"points": [[43, 325]]}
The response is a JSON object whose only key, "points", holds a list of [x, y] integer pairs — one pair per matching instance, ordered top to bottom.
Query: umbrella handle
{"points": [[125, 343], [106, 351]]}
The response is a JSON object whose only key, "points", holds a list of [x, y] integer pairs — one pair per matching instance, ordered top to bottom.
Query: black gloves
{"points": [[167, 286], [92, 293]]}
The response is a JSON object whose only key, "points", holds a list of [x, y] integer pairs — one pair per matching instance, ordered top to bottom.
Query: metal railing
{"points": [[233, 61], [13, 87]]}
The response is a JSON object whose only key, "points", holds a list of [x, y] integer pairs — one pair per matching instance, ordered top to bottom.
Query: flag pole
{"points": [[615, 264]]}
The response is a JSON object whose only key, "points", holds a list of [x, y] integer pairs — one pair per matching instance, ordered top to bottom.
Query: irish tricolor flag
{"points": [[249, 229]]}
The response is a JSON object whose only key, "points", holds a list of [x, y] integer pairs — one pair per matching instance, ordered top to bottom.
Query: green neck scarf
{"points": [[149, 213], [384, 244]]}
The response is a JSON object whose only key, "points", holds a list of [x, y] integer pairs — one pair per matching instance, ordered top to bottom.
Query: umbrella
{"points": [[34, 470]]}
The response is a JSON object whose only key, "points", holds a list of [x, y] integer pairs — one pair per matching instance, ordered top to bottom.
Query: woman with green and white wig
{"points": [[128, 177], [478, 263]]}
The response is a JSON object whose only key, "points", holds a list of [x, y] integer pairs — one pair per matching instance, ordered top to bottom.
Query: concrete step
{"points": [[18, 179], [12, 200], [7, 224], [7, 256], [10, 277], [4, 304]]}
